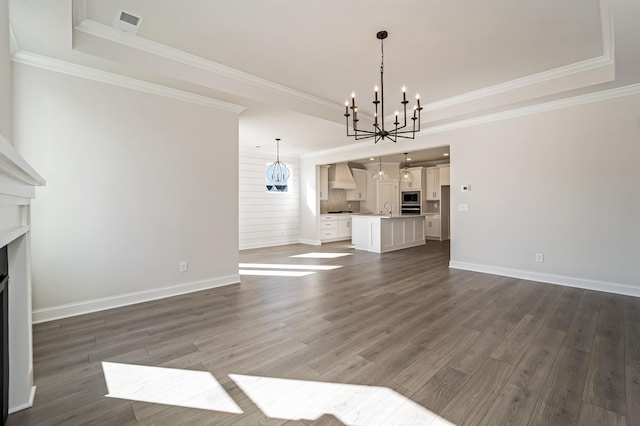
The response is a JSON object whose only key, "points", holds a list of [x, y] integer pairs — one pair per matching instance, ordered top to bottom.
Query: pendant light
{"points": [[277, 173], [380, 174], [407, 176]]}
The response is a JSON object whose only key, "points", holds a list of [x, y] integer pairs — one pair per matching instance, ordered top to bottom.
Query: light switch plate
{"points": [[463, 207]]}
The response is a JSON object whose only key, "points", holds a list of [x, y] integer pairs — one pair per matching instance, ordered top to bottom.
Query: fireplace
{"points": [[4, 338]]}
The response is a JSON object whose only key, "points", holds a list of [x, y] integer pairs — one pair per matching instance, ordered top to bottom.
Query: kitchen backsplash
{"points": [[338, 202]]}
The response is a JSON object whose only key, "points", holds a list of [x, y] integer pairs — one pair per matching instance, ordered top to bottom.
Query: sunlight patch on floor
{"points": [[322, 255], [288, 266], [274, 273], [183, 388], [351, 404]]}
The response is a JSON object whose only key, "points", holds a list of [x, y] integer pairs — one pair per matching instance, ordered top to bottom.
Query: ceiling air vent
{"points": [[128, 22]]}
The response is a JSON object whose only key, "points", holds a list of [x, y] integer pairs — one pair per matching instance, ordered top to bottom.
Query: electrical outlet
{"points": [[539, 258], [183, 266]]}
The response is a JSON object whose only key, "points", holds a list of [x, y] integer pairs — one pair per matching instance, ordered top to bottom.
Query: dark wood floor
{"points": [[473, 349]]}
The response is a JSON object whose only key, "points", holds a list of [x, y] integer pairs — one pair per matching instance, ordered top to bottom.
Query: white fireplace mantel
{"points": [[17, 188]]}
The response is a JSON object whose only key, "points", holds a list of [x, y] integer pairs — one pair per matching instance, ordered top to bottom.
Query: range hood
{"points": [[340, 177]]}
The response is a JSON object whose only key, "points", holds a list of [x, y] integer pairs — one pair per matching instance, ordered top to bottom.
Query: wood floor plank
{"points": [[562, 316], [513, 347], [469, 360], [534, 368], [417, 374], [605, 381], [440, 389], [562, 392], [632, 392], [474, 399], [513, 406], [552, 414], [592, 415]]}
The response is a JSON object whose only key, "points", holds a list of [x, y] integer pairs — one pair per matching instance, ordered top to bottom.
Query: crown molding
{"points": [[79, 11], [606, 24], [105, 32], [14, 46], [81, 71], [519, 83], [603, 95], [535, 109]]}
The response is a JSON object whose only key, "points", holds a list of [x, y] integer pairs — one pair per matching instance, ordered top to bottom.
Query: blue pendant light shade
{"points": [[277, 173]]}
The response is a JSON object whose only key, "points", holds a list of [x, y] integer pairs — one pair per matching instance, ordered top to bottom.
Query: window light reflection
{"points": [[322, 255], [288, 266], [274, 273], [182, 388], [350, 404]]}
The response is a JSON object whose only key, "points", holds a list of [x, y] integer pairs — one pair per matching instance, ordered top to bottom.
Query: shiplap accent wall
{"points": [[267, 218]]}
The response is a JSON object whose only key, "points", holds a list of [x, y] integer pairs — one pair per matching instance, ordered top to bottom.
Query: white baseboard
{"points": [[310, 242], [586, 284], [88, 306], [26, 405]]}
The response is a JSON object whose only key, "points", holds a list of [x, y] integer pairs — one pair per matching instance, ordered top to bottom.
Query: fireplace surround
{"points": [[17, 188]]}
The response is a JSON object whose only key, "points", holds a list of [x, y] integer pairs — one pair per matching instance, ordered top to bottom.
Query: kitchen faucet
{"points": [[390, 207]]}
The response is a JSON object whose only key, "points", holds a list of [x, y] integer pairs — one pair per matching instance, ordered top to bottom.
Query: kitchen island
{"points": [[383, 233]]}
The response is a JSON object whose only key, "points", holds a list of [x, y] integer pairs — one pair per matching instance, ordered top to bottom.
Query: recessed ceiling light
{"points": [[446, 154], [408, 158], [371, 159]]}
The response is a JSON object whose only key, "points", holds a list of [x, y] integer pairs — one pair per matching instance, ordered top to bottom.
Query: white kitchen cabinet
{"points": [[445, 178], [416, 181], [324, 183], [433, 183], [360, 193], [388, 197], [335, 227], [344, 227], [432, 228]]}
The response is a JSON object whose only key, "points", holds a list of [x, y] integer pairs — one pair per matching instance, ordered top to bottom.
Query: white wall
{"points": [[561, 182], [135, 183], [267, 218]]}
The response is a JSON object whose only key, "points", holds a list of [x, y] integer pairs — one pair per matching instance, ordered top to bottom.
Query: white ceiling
{"points": [[293, 63]]}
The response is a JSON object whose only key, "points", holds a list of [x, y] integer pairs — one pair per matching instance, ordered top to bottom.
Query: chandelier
{"points": [[379, 132], [277, 173], [407, 176]]}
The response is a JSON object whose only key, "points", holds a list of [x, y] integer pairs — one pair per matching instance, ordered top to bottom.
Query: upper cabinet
{"points": [[436, 177], [445, 179], [417, 181], [324, 183], [433, 183], [360, 193]]}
